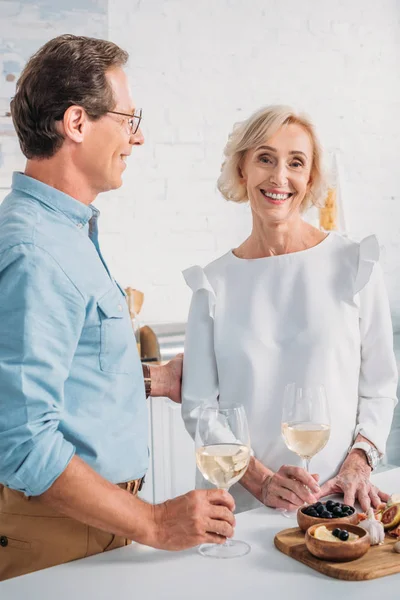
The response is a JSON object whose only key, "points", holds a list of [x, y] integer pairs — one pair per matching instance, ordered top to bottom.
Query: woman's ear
{"points": [[242, 178]]}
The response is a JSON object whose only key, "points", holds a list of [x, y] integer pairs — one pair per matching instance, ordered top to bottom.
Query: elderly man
{"points": [[73, 417]]}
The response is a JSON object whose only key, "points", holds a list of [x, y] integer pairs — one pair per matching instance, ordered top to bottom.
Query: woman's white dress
{"points": [[320, 315]]}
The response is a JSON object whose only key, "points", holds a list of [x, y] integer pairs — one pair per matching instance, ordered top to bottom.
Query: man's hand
{"points": [[167, 380], [353, 481], [290, 488], [198, 517]]}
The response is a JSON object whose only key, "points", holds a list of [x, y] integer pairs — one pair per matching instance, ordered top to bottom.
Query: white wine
{"points": [[305, 439], [223, 464]]}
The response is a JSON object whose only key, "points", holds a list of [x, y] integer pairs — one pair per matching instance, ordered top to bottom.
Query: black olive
{"points": [[330, 504], [345, 507], [320, 509], [337, 511], [313, 513], [325, 515], [336, 532], [344, 535]]}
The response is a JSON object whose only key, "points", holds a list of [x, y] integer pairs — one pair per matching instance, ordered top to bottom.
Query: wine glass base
{"points": [[288, 514], [233, 549]]}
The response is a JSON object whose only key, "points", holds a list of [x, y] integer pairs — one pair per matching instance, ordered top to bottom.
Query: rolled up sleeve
{"points": [[41, 319], [378, 373]]}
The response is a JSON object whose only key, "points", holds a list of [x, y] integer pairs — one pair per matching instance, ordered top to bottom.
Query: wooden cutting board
{"points": [[377, 562]]}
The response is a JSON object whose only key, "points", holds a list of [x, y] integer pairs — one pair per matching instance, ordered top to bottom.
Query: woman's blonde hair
{"points": [[249, 134]]}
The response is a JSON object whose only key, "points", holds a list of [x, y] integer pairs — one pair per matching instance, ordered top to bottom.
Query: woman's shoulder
{"points": [[360, 256], [218, 266], [205, 278]]}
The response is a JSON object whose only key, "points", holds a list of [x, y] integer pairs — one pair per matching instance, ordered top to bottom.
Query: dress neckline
{"points": [[320, 244]]}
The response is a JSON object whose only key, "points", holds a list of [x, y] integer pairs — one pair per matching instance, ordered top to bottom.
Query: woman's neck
{"points": [[272, 239]]}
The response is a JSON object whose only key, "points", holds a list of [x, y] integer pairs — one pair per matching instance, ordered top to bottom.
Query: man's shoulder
{"points": [[18, 218], [28, 239]]}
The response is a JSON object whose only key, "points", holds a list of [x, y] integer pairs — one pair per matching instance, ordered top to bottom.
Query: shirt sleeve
{"points": [[41, 318], [378, 372], [200, 377]]}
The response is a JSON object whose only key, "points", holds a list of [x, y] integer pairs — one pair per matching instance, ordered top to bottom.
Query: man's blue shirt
{"points": [[70, 375]]}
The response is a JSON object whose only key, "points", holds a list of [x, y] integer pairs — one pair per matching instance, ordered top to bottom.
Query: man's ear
{"points": [[74, 121]]}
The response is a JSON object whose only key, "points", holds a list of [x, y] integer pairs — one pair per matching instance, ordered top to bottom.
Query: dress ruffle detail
{"points": [[368, 256], [197, 280]]}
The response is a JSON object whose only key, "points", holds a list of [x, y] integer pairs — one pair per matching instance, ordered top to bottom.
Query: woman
{"points": [[291, 303]]}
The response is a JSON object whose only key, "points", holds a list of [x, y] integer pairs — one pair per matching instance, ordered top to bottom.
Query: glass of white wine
{"points": [[305, 422], [222, 456]]}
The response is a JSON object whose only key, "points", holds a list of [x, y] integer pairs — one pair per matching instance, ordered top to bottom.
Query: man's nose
{"points": [[137, 139]]}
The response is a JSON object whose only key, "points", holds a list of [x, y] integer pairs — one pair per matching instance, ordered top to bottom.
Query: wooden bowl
{"points": [[305, 521], [338, 551]]}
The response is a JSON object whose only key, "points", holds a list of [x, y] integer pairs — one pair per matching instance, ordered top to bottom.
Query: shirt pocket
{"points": [[118, 353]]}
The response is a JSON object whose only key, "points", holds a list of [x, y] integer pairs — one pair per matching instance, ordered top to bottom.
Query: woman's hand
{"points": [[353, 482], [290, 488]]}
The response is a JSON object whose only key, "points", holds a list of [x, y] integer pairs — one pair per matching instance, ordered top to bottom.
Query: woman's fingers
{"points": [[301, 475], [328, 488], [299, 493], [350, 494], [373, 494], [383, 496], [363, 497], [281, 503]]}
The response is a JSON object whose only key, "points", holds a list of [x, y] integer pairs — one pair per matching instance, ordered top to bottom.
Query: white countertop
{"points": [[147, 574]]}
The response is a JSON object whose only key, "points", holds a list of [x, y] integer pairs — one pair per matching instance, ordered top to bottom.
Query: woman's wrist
{"points": [[147, 379], [160, 380], [256, 478]]}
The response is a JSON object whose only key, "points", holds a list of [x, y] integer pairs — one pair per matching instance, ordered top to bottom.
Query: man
{"points": [[73, 416]]}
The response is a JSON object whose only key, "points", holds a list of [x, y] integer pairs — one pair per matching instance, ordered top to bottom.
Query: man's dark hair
{"points": [[68, 70]]}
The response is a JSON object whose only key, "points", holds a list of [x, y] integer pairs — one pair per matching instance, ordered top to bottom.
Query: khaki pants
{"points": [[34, 536]]}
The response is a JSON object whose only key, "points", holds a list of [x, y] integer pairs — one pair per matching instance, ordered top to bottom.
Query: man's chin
{"points": [[114, 184]]}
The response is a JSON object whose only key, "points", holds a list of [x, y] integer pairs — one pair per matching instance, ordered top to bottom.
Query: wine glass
{"points": [[305, 422], [222, 456]]}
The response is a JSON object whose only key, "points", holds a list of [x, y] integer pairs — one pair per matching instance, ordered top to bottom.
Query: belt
{"points": [[133, 487]]}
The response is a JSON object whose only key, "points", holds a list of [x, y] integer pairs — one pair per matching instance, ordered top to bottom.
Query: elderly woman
{"points": [[291, 303]]}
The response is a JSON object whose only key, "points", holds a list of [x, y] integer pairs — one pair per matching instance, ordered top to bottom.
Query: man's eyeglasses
{"points": [[133, 121]]}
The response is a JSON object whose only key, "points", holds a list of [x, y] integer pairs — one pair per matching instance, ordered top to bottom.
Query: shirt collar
{"points": [[74, 210]]}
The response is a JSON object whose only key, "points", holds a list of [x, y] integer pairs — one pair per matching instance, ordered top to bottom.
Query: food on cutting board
{"points": [[328, 510], [388, 514], [391, 516], [374, 528], [395, 532], [337, 535], [396, 547]]}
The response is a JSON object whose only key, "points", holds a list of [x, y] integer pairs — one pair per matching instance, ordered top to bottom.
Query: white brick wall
{"points": [[197, 67]]}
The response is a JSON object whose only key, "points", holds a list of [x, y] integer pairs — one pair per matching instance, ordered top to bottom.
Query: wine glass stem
{"points": [[306, 464], [227, 541]]}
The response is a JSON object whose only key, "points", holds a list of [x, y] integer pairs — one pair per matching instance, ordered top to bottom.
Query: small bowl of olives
{"points": [[325, 512], [337, 542]]}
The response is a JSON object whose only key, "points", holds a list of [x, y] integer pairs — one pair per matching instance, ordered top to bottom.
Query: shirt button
{"points": [[80, 225], [120, 307], [3, 541]]}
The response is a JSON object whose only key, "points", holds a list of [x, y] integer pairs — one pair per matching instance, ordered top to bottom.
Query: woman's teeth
{"points": [[276, 196]]}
